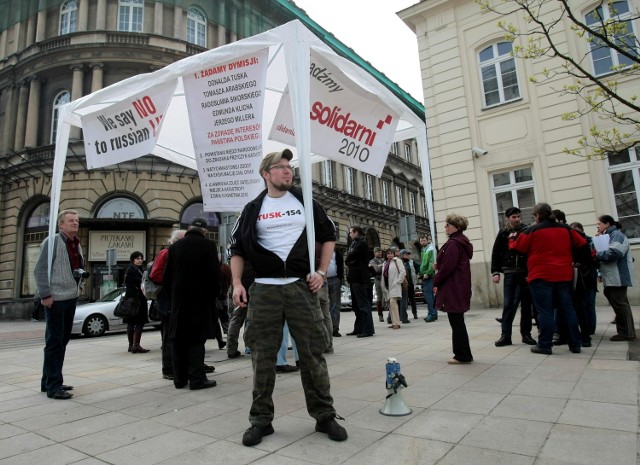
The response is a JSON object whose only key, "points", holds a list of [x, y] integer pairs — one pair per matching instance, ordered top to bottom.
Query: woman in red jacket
{"points": [[452, 285]]}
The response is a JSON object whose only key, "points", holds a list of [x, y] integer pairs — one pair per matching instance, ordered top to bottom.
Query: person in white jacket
{"points": [[393, 274]]}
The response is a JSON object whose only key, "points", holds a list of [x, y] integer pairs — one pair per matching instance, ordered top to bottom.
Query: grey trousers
{"points": [[617, 297]]}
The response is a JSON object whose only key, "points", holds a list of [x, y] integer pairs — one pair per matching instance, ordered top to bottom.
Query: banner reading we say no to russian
{"points": [[225, 103], [348, 124], [127, 129]]}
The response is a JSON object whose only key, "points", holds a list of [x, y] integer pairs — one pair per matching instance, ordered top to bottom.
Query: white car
{"points": [[97, 318]]}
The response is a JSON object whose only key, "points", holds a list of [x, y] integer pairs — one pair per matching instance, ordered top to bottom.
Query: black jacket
{"points": [[244, 241], [357, 260], [505, 260]]}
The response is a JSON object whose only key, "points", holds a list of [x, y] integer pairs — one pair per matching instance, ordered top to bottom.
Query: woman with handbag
{"points": [[393, 275], [133, 283], [452, 285]]}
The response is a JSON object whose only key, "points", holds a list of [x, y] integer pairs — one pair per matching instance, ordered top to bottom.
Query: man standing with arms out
{"points": [[270, 234], [428, 255], [357, 260], [376, 264], [192, 277], [516, 290], [58, 296]]}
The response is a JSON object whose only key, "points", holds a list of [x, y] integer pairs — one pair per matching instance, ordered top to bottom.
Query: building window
{"points": [[130, 15], [69, 17], [618, 18], [196, 27], [499, 77], [61, 99], [393, 149], [407, 152], [624, 170], [327, 173], [349, 181], [368, 187], [513, 189], [385, 193], [399, 198], [412, 202], [36, 230]]}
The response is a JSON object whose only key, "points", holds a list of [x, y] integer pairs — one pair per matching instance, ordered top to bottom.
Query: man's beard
{"points": [[282, 186]]}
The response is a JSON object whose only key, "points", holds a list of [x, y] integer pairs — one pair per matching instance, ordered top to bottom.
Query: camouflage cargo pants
{"points": [[268, 308]]}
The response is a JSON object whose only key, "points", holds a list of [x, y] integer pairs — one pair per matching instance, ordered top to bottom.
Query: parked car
{"points": [[345, 298], [97, 318]]}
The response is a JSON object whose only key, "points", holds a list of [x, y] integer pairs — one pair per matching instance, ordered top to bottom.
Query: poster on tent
{"points": [[225, 103], [348, 123], [127, 129]]}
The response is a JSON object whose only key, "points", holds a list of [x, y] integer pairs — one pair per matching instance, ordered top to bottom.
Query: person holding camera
{"points": [[133, 285], [59, 293]]}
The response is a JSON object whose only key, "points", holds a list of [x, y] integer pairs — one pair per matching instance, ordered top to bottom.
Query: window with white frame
{"points": [[130, 15], [68, 17], [614, 20], [196, 27], [498, 73], [60, 99], [393, 149], [407, 152], [624, 171], [327, 173], [349, 181], [368, 187], [513, 189], [385, 193], [399, 198], [412, 202]]}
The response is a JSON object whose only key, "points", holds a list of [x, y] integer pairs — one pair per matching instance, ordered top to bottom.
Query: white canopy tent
{"points": [[290, 48]]}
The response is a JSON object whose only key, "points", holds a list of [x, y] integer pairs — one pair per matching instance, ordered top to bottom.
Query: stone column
{"points": [[158, 9], [83, 15], [101, 15], [177, 23], [41, 26], [30, 36], [97, 73], [76, 93], [33, 113], [21, 116], [9, 129]]}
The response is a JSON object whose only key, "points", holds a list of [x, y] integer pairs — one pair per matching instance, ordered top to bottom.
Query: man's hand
{"points": [[496, 279], [316, 281], [435, 291], [239, 296], [48, 302]]}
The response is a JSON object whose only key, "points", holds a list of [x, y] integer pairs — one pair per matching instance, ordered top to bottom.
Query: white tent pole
{"points": [[298, 61], [423, 153]]}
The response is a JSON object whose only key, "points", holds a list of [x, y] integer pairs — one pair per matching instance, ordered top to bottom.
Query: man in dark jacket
{"points": [[271, 234], [192, 277], [359, 278], [516, 290]]}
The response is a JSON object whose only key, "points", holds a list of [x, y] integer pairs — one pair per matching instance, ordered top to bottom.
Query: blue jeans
{"points": [[427, 290], [516, 292], [335, 295], [547, 295], [361, 302], [404, 304], [59, 321]]}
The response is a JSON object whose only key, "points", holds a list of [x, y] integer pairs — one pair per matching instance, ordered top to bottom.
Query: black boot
{"points": [[130, 338], [137, 348]]}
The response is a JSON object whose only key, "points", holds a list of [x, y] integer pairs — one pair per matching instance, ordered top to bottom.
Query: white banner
{"points": [[225, 103], [348, 124], [128, 129]]}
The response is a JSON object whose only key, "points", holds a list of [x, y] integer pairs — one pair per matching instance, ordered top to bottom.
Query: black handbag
{"points": [[128, 307], [154, 312]]}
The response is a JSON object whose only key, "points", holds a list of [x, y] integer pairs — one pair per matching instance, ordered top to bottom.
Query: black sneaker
{"points": [[527, 339], [503, 341], [539, 350], [235, 354], [332, 428], [254, 435]]}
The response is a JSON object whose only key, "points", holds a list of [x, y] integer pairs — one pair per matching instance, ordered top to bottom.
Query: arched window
{"points": [[130, 15], [69, 17], [196, 27], [499, 76], [60, 99], [195, 210], [36, 229]]}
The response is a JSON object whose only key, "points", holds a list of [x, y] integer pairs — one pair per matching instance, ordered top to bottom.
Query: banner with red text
{"points": [[225, 104], [348, 123], [128, 129]]}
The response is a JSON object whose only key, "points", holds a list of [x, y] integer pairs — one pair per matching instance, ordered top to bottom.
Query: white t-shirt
{"points": [[280, 223]]}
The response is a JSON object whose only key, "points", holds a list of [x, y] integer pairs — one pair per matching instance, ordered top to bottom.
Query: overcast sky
{"points": [[374, 31]]}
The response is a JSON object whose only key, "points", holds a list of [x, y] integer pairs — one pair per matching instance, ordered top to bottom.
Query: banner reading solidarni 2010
{"points": [[225, 103], [348, 124], [128, 129]]}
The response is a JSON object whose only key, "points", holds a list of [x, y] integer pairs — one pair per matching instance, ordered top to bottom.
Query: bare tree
{"points": [[603, 74]]}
